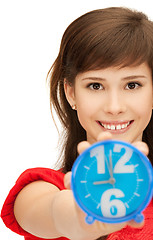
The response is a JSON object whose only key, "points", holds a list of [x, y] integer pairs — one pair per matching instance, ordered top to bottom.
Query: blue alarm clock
{"points": [[112, 181]]}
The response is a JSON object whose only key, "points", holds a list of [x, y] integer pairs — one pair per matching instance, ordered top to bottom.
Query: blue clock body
{"points": [[112, 181]]}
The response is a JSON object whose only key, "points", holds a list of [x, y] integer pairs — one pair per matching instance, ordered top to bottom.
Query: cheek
{"points": [[144, 109], [86, 110], [146, 115]]}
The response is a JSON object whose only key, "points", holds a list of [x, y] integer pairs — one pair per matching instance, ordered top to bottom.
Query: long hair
{"points": [[98, 39]]}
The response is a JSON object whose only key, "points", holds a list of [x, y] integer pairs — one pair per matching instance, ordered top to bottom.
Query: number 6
{"points": [[112, 208]]}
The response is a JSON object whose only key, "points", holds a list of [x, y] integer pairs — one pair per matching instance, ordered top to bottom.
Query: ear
{"points": [[69, 93], [152, 99]]}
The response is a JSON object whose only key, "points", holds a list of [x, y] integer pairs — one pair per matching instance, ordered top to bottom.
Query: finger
{"points": [[104, 136], [82, 146], [142, 146], [67, 180], [134, 224], [108, 228]]}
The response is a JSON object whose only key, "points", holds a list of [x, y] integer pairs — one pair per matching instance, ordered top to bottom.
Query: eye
{"points": [[133, 85], [95, 86]]}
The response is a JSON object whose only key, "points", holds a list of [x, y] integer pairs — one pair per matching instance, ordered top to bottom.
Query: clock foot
{"points": [[139, 218], [89, 219]]}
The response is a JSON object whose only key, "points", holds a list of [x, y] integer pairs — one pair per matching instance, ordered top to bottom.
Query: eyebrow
{"points": [[133, 77], [94, 78], [124, 78]]}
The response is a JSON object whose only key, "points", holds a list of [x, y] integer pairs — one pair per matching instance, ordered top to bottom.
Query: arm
{"points": [[32, 209], [45, 211]]}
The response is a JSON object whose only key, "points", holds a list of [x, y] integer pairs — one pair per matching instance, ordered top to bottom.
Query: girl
{"points": [[101, 88]]}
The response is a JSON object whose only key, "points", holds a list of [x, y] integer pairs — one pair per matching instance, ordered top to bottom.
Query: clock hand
{"points": [[108, 165], [111, 165], [111, 168], [111, 181]]}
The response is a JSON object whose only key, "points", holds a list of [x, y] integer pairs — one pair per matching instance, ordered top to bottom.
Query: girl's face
{"points": [[117, 100]]}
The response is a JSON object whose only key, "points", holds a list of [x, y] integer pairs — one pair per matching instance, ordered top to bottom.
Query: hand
{"points": [[141, 146], [98, 228]]}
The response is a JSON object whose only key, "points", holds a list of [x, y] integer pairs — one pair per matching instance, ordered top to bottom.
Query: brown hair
{"points": [[96, 40]]}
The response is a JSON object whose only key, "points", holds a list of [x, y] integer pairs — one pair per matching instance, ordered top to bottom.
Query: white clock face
{"points": [[112, 181]]}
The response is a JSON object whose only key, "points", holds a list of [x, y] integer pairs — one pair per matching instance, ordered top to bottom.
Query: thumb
{"points": [[67, 180]]}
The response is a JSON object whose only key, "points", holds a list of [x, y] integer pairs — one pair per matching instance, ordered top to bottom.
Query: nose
{"points": [[114, 103]]}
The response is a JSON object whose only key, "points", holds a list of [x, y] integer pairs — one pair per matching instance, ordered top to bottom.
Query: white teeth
{"points": [[112, 127], [115, 127], [118, 127]]}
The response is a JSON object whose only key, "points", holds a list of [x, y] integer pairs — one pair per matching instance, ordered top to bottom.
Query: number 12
{"points": [[120, 166]]}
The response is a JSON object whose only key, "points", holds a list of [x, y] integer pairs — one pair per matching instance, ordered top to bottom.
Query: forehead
{"points": [[120, 72]]}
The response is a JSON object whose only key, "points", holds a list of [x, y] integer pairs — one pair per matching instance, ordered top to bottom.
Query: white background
{"points": [[30, 34]]}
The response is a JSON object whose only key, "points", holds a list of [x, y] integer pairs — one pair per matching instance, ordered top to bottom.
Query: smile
{"points": [[115, 126]]}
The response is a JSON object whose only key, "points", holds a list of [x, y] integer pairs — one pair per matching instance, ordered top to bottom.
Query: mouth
{"points": [[116, 126]]}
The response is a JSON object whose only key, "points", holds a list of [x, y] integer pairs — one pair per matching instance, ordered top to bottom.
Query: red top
{"points": [[56, 178]]}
